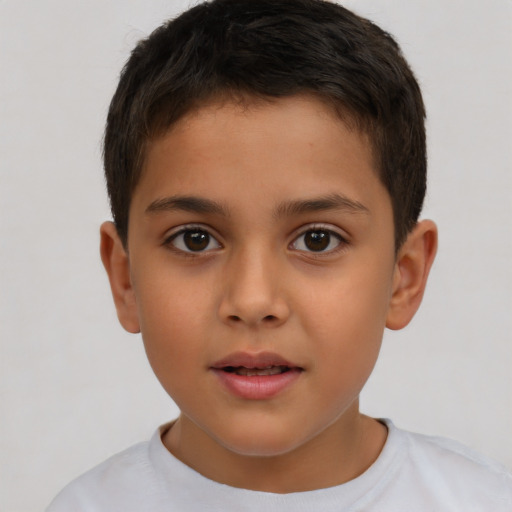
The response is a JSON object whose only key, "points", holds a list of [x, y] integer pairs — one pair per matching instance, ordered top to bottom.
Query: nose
{"points": [[253, 292]]}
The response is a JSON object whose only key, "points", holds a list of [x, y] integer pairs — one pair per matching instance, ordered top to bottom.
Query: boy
{"points": [[265, 161]]}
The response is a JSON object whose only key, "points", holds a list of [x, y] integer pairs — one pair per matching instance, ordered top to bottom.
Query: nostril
{"points": [[265, 319]]}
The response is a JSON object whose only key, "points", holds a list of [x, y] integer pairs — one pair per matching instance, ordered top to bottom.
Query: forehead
{"points": [[259, 150]]}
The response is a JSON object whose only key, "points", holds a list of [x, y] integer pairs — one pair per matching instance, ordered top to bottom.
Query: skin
{"points": [[257, 286]]}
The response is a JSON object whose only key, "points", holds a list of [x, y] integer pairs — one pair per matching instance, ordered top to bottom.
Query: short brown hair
{"points": [[271, 49]]}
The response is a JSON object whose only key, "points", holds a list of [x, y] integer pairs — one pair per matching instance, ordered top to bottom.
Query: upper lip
{"points": [[259, 360]]}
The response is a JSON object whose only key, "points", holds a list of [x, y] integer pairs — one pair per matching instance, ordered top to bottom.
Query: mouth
{"points": [[255, 365], [256, 372], [256, 377]]}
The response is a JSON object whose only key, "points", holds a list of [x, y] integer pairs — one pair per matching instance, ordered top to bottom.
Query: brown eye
{"points": [[194, 240], [317, 240]]}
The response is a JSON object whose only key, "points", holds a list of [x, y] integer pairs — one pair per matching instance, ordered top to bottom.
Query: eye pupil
{"points": [[196, 240], [317, 240]]}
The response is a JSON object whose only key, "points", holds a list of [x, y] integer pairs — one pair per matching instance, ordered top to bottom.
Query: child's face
{"points": [[261, 237]]}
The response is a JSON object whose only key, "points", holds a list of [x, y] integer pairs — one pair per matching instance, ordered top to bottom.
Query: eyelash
{"points": [[199, 229], [183, 230], [342, 242]]}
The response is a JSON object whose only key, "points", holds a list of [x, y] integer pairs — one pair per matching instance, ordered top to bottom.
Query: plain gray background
{"points": [[75, 388]]}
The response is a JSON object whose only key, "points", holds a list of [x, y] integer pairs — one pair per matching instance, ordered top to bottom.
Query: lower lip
{"points": [[257, 387]]}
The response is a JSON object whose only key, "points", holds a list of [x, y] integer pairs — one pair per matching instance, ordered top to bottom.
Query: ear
{"points": [[116, 263], [412, 267]]}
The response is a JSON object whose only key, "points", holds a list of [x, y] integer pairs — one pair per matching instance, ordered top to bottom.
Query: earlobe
{"points": [[116, 263], [412, 268]]}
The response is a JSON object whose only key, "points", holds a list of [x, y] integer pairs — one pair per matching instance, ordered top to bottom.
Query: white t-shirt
{"points": [[413, 473]]}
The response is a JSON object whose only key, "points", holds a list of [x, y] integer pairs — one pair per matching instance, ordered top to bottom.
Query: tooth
{"points": [[251, 372]]}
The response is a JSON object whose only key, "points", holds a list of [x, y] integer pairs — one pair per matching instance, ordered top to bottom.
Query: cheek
{"points": [[168, 301], [351, 306], [347, 320], [173, 327], [347, 346]]}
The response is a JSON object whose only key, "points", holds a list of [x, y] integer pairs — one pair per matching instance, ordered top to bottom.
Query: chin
{"points": [[260, 442]]}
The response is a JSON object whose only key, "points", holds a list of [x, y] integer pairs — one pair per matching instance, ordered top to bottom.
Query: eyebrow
{"points": [[329, 202], [186, 203], [196, 204]]}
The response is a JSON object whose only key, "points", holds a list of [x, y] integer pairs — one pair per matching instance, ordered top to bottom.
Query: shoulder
{"points": [[448, 454], [449, 469], [112, 485]]}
